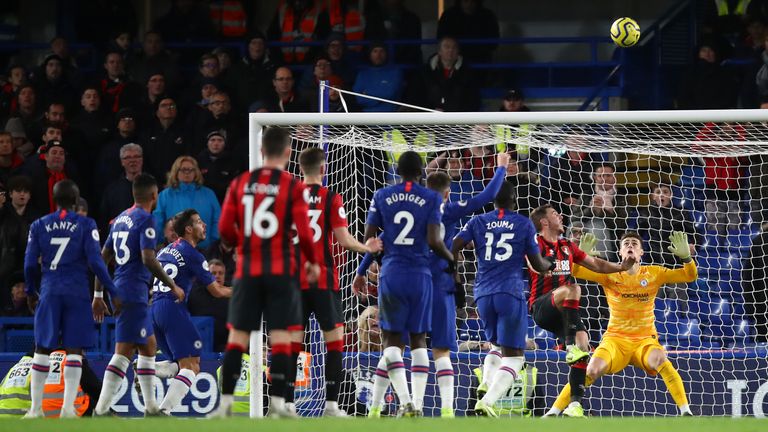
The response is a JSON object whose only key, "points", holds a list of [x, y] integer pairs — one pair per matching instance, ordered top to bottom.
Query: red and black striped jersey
{"points": [[260, 211], [326, 212], [565, 253]]}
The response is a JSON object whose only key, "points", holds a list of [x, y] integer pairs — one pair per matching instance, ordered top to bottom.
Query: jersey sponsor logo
{"points": [[150, 233], [95, 234], [639, 296]]}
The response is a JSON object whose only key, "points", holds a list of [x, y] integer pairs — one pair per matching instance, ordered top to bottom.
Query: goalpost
{"points": [[713, 163]]}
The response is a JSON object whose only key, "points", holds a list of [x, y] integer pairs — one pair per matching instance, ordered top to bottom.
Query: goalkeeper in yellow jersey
{"points": [[631, 337]]}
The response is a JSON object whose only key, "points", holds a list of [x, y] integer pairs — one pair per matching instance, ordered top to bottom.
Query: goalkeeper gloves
{"points": [[587, 244], [679, 245]]}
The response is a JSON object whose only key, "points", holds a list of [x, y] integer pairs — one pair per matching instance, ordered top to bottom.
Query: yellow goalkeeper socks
{"points": [[674, 383], [564, 398]]}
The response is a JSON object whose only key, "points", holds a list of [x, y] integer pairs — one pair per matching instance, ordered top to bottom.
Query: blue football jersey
{"points": [[403, 211], [453, 212], [131, 232], [502, 240], [66, 245], [184, 264]]}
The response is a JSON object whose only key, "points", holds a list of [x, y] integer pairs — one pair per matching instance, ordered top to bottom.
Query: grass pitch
{"points": [[625, 424]]}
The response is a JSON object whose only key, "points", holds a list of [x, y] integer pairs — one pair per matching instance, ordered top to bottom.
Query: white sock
{"points": [[491, 364], [40, 366], [145, 369], [166, 369], [73, 370], [396, 370], [508, 371], [419, 375], [113, 377], [445, 380], [380, 383], [180, 385], [226, 401], [276, 403], [331, 405], [685, 409], [554, 411]]}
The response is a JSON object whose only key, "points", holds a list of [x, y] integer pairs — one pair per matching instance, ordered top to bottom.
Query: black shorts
{"points": [[276, 297], [325, 304], [547, 316]]}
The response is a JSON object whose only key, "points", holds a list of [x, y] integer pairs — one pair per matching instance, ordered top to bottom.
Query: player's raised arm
{"points": [[487, 195], [679, 247], [583, 256], [95, 261]]}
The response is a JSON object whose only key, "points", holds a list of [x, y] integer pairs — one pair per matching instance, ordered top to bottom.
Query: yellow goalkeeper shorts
{"points": [[618, 353]]}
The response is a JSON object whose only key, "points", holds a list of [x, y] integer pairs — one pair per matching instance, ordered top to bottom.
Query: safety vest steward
{"points": [[724, 10], [231, 16], [351, 23], [293, 33], [505, 134], [396, 140], [14, 390], [242, 393], [515, 400]]}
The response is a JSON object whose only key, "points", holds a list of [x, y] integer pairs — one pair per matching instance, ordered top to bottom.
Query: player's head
{"points": [[276, 144], [312, 162], [409, 166], [440, 182], [145, 189], [65, 194], [505, 199], [546, 219], [189, 226], [631, 245]]}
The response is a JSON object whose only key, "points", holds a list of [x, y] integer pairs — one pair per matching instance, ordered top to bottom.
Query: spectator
{"points": [[228, 18], [468, 19], [347, 20], [186, 21], [298, 21], [394, 21], [121, 42], [154, 59], [342, 64], [321, 70], [208, 72], [254, 72], [226, 77], [379, 79], [761, 79], [447, 83], [52, 84], [708, 85], [116, 89], [155, 91], [9, 92], [284, 98], [514, 101], [335, 103], [27, 110], [55, 114], [219, 116], [93, 123], [163, 140], [21, 145], [10, 161], [109, 163], [218, 165], [45, 171], [566, 179], [463, 183], [526, 185], [185, 190], [118, 194], [82, 207], [605, 213], [15, 217], [657, 222], [575, 231], [169, 235], [227, 254], [755, 282], [203, 303], [17, 305], [368, 330]]}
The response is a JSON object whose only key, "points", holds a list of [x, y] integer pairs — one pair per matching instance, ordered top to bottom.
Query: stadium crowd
{"points": [[182, 116]]}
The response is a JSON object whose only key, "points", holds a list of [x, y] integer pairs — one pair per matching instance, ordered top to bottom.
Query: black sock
{"points": [[571, 319], [230, 369], [280, 369], [334, 374], [290, 379], [576, 379]]}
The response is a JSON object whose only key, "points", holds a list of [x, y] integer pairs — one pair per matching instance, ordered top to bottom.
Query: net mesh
{"points": [[705, 179]]}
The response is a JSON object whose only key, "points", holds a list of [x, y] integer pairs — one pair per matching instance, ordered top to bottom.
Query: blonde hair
{"points": [[173, 174]]}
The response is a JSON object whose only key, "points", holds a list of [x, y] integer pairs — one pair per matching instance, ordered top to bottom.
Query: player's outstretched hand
{"points": [[502, 160], [587, 244], [375, 245], [679, 245], [627, 263], [313, 272], [360, 286], [178, 292], [100, 309]]}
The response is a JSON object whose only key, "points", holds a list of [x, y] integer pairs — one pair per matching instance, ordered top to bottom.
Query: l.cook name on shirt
{"points": [[261, 189], [405, 197], [61, 226]]}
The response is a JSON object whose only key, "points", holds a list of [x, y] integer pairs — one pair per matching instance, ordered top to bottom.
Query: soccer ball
{"points": [[625, 32]]}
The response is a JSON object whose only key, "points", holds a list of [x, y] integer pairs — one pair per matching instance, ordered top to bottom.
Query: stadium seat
{"points": [[666, 310], [471, 329], [743, 331], [685, 334], [543, 338], [19, 340]]}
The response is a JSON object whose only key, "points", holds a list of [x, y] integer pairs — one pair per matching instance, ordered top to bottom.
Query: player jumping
{"points": [[502, 240], [65, 244], [554, 297], [631, 336]]}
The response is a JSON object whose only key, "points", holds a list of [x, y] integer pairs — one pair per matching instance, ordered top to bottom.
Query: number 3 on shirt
{"points": [[502, 243]]}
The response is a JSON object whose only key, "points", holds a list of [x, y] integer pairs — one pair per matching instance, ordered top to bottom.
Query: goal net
{"points": [[701, 173]]}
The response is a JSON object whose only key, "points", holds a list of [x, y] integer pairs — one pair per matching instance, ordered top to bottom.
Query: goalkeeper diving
{"points": [[631, 336]]}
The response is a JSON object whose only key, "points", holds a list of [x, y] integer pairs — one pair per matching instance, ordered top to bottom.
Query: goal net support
{"points": [[701, 172]]}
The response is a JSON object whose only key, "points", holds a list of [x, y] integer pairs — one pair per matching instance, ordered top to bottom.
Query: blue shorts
{"points": [[405, 302], [505, 319], [64, 321], [133, 325], [443, 333], [176, 335]]}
